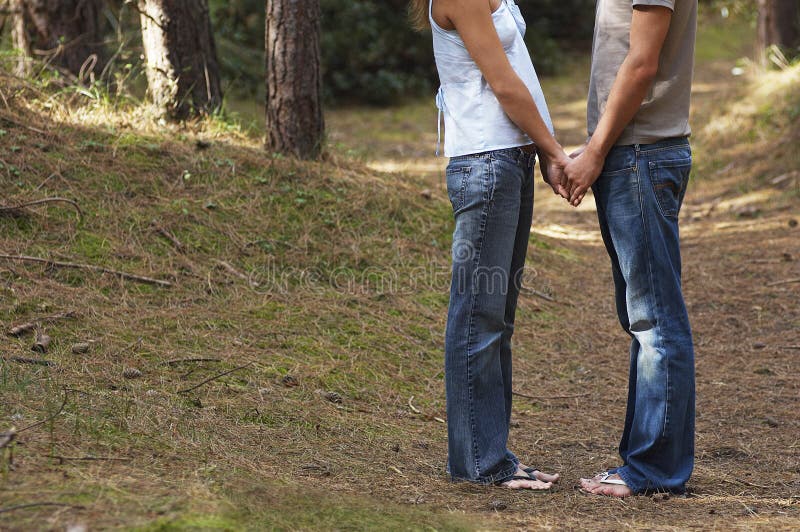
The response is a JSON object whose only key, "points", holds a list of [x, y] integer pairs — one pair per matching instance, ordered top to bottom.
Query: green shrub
{"points": [[370, 54]]}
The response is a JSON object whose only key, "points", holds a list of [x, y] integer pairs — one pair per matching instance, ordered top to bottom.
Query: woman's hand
{"points": [[552, 169], [581, 173]]}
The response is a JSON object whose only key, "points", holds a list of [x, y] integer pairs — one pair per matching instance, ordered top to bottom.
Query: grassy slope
{"points": [[320, 241], [247, 450]]}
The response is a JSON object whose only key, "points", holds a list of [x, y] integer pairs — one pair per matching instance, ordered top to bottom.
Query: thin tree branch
{"points": [[14, 208], [77, 266], [785, 281], [19, 330], [32, 361], [177, 361], [215, 377], [543, 398], [49, 418], [62, 459], [35, 504]]}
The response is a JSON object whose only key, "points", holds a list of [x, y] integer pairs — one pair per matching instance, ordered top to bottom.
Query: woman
{"points": [[496, 120]]}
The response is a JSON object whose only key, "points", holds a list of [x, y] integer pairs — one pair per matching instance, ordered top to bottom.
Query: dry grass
{"points": [[330, 280]]}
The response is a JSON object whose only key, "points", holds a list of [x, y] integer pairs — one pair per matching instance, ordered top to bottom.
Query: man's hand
{"points": [[577, 152], [553, 173], [581, 174]]}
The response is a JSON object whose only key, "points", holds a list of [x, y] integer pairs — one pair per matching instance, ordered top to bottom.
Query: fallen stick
{"points": [[19, 124], [51, 176], [15, 208], [177, 244], [91, 267], [236, 273], [785, 281], [543, 295], [548, 297], [19, 330], [790, 347], [31, 361], [177, 361], [215, 377], [535, 398], [412, 407], [49, 418], [62, 459], [746, 483], [35, 504]]}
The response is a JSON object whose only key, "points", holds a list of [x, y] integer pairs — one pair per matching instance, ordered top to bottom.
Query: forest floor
{"points": [[289, 377]]}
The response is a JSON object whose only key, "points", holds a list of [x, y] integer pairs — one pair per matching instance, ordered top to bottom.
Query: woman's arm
{"points": [[473, 21]]}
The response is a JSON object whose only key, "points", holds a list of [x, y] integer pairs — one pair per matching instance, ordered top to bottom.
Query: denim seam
{"points": [[662, 148], [480, 155], [622, 171], [654, 171], [463, 176], [654, 176], [462, 195], [653, 293], [473, 300], [491, 479]]}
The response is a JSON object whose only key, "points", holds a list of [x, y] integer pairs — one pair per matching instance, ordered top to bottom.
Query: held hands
{"points": [[553, 172], [580, 174], [571, 177]]}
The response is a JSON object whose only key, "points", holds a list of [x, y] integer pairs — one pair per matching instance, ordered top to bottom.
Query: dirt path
{"points": [[741, 251], [336, 421]]}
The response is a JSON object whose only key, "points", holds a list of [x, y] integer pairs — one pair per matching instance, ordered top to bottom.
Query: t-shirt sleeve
{"points": [[669, 4]]}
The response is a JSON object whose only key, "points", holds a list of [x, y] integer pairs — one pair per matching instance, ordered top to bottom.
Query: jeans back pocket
{"points": [[457, 177], [669, 179]]}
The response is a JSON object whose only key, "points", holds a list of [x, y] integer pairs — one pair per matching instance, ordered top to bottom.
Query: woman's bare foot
{"points": [[544, 477], [523, 483], [596, 486]]}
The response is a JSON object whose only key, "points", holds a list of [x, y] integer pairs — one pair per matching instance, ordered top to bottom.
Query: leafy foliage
{"points": [[370, 53]]}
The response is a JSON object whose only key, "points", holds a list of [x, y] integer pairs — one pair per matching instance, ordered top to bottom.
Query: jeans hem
{"points": [[626, 477], [490, 479]]}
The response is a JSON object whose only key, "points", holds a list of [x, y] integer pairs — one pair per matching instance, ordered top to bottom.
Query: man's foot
{"points": [[538, 475], [523, 481], [606, 485]]}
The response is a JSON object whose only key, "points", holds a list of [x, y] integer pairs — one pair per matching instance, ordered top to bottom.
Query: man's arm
{"points": [[649, 27]]}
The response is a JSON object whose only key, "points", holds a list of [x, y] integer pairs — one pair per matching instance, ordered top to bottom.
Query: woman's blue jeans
{"points": [[638, 196], [492, 198]]}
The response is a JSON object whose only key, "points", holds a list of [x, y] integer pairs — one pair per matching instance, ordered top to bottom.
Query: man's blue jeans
{"points": [[638, 196], [492, 198]]}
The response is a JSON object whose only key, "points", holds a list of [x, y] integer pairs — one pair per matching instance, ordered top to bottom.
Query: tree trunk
{"points": [[779, 24], [67, 32], [20, 37], [182, 69], [295, 125]]}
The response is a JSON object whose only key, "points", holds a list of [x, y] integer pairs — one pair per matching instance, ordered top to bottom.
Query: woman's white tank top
{"points": [[474, 120]]}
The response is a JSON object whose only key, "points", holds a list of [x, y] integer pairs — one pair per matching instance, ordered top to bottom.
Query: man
{"points": [[637, 162]]}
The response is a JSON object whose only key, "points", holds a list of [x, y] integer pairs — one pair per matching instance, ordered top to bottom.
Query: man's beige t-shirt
{"points": [[665, 110]]}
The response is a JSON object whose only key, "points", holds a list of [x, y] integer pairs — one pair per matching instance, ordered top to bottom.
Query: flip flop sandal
{"points": [[530, 471], [521, 477], [604, 479]]}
